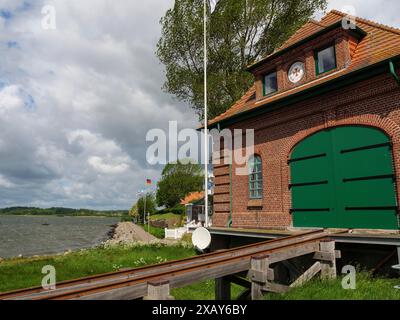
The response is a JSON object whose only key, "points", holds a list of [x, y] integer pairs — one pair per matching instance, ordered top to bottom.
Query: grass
{"points": [[165, 216], [157, 232], [23, 273], [367, 288], [202, 291]]}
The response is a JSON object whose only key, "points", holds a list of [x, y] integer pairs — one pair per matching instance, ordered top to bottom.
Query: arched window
{"points": [[255, 177]]}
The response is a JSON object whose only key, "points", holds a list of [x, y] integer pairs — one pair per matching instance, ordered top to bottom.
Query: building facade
{"points": [[325, 109]]}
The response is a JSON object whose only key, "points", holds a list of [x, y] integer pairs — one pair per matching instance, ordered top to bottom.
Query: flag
{"points": [[213, 4], [148, 182]]}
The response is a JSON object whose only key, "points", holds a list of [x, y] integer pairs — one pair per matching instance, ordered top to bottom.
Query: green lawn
{"points": [[23, 273], [367, 288]]}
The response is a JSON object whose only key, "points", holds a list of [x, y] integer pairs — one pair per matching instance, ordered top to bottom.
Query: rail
{"points": [[133, 283]]}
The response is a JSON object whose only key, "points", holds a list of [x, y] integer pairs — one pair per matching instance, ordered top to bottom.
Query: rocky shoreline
{"points": [[127, 233]]}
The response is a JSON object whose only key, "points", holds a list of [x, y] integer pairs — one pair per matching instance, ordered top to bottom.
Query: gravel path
{"points": [[128, 232]]}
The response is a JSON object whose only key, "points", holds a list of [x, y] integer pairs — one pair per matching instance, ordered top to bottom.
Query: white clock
{"points": [[296, 72]]}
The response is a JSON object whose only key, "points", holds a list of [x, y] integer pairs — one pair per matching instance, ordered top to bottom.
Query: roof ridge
{"points": [[367, 21], [318, 23], [299, 30]]}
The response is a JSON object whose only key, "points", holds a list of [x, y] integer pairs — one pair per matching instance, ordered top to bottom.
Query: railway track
{"points": [[132, 283]]}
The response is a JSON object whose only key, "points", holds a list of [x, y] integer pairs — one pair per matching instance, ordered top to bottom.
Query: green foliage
{"points": [[240, 33], [177, 181], [150, 204], [178, 209], [134, 211], [61, 212], [126, 219]]}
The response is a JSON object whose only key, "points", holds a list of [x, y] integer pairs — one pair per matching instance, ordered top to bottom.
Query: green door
{"points": [[344, 178]]}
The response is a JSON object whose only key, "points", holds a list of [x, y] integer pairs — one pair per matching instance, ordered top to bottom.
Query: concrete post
{"points": [[158, 290]]}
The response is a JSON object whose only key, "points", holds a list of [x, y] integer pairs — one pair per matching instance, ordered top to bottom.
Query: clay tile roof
{"points": [[305, 31], [381, 43], [194, 196]]}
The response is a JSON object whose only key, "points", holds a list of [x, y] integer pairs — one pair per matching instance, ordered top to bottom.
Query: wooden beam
{"points": [[294, 252], [324, 256], [259, 264], [328, 267], [293, 270], [307, 276], [240, 281], [275, 287], [223, 288]]}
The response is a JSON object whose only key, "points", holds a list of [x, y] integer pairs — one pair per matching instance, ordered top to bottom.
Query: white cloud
{"points": [[382, 11], [10, 99], [75, 135], [100, 165], [5, 183]]}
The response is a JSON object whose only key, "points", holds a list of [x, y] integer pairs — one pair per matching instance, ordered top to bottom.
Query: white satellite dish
{"points": [[201, 238]]}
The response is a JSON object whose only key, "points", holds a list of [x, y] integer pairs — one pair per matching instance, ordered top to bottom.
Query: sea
{"points": [[44, 235]]}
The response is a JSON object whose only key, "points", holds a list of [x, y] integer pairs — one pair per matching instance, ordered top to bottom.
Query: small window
{"points": [[325, 60], [270, 83], [255, 177]]}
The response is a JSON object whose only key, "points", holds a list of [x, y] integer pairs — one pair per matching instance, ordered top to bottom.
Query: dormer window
{"points": [[325, 60], [270, 83]]}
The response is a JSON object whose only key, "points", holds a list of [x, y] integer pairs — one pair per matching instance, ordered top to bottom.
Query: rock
{"points": [[126, 233]]}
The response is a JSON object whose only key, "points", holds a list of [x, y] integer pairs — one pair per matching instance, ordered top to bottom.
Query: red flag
{"points": [[148, 181]]}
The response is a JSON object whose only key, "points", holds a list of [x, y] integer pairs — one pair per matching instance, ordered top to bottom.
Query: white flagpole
{"points": [[205, 119]]}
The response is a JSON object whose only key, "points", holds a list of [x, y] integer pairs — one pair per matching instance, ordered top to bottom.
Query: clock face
{"points": [[296, 72]]}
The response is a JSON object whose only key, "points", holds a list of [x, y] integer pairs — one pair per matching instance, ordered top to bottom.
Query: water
{"points": [[31, 235]]}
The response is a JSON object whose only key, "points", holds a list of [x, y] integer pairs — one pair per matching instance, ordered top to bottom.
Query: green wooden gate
{"points": [[343, 178]]}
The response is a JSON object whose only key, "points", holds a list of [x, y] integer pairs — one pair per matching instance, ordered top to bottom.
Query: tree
{"points": [[240, 33], [177, 181], [150, 205], [134, 211]]}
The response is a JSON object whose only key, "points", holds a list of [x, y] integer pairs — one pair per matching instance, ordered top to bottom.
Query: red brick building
{"points": [[325, 108]]}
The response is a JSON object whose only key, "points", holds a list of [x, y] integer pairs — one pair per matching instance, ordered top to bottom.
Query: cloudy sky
{"points": [[76, 102]]}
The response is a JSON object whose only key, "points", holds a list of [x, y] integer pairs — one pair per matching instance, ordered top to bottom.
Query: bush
{"points": [[178, 209], [126, 219], [187, 238]]}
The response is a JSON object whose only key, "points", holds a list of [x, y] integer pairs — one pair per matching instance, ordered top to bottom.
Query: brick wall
{"points": [[345, 46], [374, 102]]}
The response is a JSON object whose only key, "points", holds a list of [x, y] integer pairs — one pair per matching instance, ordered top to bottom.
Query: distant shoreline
{"points": [[60, 211], [57, 215]]}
